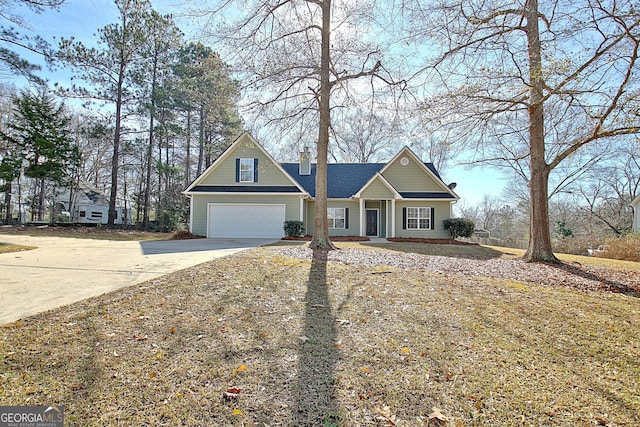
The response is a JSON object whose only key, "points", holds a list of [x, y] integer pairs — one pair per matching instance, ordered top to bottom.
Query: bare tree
{"points": [[300, 60], [532, 85], [365, 136], [608, 189]]}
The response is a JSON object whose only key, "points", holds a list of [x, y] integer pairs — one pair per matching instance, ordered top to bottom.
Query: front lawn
{"points": [[99, 233], [6, 248], [267, 338]]}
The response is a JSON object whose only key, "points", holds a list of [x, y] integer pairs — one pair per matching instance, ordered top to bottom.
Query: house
{"points": [[246, 193], [635, 204], [86, 205]]}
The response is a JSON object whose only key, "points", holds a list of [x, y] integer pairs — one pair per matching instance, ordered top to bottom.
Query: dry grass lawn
{"points": [[100, 233], [6, 248], [265, 339]]}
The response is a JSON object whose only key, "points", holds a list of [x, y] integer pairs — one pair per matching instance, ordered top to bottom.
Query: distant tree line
{"points": [[150, 112]]}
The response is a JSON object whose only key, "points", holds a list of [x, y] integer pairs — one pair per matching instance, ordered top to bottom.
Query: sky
{"points": [[82, 18]]}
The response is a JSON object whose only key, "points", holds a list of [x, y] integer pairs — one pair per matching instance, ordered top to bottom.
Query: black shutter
{"points": [[237, 170], [255, 170], [346, 217], [404, 218], [433, 218]]}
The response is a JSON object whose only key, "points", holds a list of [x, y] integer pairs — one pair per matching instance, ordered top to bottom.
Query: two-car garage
{"points": [[239, 220]]}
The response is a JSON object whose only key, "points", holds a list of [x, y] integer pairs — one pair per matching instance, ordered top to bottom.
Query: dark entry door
{"points": [[372, 222]]}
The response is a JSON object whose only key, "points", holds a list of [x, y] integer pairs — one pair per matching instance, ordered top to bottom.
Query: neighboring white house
{"points": [[635, 204], [86, 205]]}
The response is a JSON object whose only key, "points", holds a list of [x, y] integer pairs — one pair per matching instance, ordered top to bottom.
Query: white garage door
{"points": [[243, 220]]}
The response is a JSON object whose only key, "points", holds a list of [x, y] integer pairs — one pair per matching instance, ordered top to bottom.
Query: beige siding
{"points": [[225, 172], [411, 177], [377, 190], [200, 202], [442, 211], [354, 222]]}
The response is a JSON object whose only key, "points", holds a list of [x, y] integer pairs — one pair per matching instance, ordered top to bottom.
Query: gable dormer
{"points": [[245, 165], [407, 173]]}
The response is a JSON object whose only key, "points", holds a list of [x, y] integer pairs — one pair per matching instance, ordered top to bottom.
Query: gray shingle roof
{"points": [[343, 179], [346, 179]]}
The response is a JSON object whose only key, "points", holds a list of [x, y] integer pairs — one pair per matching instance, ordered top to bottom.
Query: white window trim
{"points": [[250, 171], [332, 218], [418, 218]]}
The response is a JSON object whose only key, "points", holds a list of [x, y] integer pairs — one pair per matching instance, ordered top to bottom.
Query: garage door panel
{"points": [[246, 220]]}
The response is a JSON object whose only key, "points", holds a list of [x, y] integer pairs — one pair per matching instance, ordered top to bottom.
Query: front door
{"points": [[372, 222]]}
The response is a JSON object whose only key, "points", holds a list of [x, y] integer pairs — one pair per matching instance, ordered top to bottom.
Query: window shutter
{"points": [[237, 170], [255, 170], [346, 217], [404, 218], [433, 218]]}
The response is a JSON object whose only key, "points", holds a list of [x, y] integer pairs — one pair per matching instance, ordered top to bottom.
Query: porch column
{"points": [[302, 210], [190, 213], [393, 217], [386, 218], [363, 220]]}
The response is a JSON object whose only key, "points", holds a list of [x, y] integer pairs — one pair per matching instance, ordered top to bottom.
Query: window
{"points": [[246, 170], [83, 214], [96, 215], [337, 217], [418, 219]]}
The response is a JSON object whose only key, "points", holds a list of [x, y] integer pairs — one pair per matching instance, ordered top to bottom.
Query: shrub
{"points": [[459, 227], [293, 228], [184, 235], [576, 245], [626, 248]]}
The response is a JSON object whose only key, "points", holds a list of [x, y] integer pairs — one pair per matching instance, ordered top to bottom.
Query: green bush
{"points": [[459, 227], [293, 228]]}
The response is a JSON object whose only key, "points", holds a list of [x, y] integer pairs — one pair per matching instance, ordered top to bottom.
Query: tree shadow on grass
{"points": [[454, 251], [606, 283], [315, 398]]}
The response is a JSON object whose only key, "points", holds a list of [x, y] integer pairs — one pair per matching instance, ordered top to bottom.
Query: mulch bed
{"points": [[308, 238], [391, 239], [431, 241]]}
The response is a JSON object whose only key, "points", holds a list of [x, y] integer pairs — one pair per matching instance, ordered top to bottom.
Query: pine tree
{"points": [[39, 129]]}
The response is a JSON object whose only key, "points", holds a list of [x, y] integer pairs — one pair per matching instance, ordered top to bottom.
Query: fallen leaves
{"points": [[584, 277], [448, 341], [240, 368], [232, 393], [384, 416], [437, 416]]}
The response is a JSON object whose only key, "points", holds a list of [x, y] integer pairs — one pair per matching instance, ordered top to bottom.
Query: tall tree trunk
{"points": [[152, 116], [201, 141], [116, 148], [187, 157], [41, 197], [7, 203], [32, 204], [139, 208], [321, 225], [540, 234]]}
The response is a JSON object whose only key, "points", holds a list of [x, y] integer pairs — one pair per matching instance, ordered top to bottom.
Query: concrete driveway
{"points": [[65, 270]]}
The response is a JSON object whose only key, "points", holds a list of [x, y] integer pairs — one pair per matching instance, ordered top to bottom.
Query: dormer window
{"points": [[246, 170]]}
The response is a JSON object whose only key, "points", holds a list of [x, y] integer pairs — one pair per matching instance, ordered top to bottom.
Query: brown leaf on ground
{"points": [[384, 416]]}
